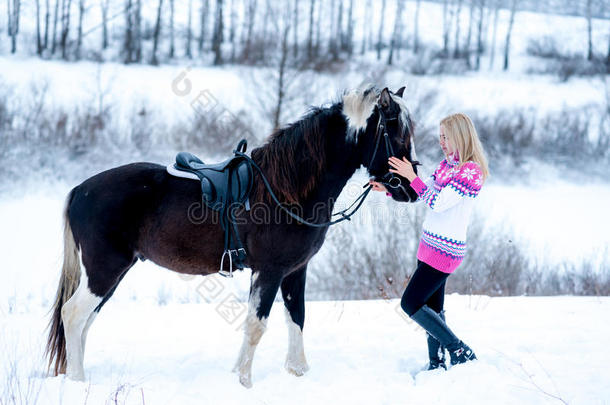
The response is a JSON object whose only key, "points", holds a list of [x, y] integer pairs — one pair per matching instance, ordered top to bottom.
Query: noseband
{"points": [[389, 179]]}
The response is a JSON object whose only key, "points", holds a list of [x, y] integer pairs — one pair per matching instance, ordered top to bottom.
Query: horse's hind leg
{"points": [[97, 283], [263, 289], [293, 292], [75, 315]]}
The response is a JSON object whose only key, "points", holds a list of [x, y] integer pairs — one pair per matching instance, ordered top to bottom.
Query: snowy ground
{"points": [[168, 338], [531, 351]]}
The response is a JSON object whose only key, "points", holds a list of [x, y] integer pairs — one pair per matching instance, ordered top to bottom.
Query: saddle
{"points": [[225, 187]]}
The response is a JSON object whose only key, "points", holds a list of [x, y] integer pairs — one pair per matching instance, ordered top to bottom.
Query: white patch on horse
{"points": [[357, 108], [77, 315], [254, 329], [295, 360]]}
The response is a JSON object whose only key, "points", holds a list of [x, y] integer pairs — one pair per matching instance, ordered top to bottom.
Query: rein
{"points": [[359, 200]]}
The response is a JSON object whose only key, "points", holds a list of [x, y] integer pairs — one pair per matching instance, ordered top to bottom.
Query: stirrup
{"points": [[225, 273]]}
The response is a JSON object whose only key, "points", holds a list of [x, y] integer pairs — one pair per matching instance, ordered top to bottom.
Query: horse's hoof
{"points": [[296, 369], [246, 381]]}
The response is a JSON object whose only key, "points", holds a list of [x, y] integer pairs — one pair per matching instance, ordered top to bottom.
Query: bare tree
{"points": [[104, 4], [312, 5], [14, 11], [513, 11], [203, 19], [266, 19], [249, 22], [446, 24], [46, 25], [65, 27], [367, 28], [416, 28], [232, 29], [295, 30], [137, 31], [589, 31], [189, 32], [396, 32], [494, 32], [156, 34], [380, 34], [480, 34], [38, 35], [54, 36], [469, 36], [218, 37], [340, 37], [79, 38], [332, 40], [128, 41], [349, 42], [172, 47], [316, 48], [456, 50], [281, 91]]}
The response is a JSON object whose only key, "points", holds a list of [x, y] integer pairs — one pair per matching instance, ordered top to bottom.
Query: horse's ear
{"points": [[400, 91], [384, 98]]}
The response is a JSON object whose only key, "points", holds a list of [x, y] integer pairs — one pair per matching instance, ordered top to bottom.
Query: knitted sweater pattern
{"points": [[450, 194]]}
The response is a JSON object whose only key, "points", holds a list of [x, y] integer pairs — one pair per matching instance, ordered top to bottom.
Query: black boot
{"points": [[435, 326], [436, 352], [461, 353]]}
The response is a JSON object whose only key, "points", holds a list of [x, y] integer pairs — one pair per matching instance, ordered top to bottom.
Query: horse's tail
{"points": [[68, 283]]}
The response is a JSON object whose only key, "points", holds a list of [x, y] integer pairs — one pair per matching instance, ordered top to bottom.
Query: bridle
{"points": [[389, 179]]}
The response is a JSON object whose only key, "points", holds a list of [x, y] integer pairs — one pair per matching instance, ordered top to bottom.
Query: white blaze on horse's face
{"points": [[358, 106]]}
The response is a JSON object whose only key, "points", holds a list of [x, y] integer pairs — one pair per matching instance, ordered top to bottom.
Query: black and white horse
{"points": [[139, 211]]}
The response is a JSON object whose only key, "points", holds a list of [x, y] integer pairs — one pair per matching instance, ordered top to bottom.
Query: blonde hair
{"points": [[460, 131]]}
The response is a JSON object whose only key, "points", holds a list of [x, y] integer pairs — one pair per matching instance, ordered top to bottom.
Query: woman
{"points": [[449, 193]]}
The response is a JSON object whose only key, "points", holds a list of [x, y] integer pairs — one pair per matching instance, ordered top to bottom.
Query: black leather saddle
{"points": [[225, 187]]}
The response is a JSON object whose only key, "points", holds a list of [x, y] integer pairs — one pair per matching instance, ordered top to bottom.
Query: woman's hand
{"points": [[402, 167], [377, 186]]}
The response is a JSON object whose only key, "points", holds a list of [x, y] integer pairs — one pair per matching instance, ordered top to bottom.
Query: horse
{"points": [[140, 212]]}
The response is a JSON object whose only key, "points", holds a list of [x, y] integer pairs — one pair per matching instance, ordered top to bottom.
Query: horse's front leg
{"points": [[263, 289], [293, 292]]}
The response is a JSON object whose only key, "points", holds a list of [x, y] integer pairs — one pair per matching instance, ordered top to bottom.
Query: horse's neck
{"points": [[340, 167]]}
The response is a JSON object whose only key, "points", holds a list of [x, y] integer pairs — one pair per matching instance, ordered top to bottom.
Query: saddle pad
{"points": [[179, 173]]}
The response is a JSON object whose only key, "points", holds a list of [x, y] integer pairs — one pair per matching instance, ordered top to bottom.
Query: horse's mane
{"points": [[294, 157]]}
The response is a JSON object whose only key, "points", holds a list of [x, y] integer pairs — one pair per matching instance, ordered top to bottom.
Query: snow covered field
{"points": [[235, 88], [167, 339], [531, 351]]}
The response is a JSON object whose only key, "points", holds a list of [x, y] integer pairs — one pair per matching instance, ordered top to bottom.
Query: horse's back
{"points": [[142, 211]]}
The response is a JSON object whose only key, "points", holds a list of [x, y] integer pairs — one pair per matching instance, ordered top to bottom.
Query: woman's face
{"points": [[445, 143]]}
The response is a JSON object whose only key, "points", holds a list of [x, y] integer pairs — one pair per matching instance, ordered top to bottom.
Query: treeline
{"points": [[249, 31]]}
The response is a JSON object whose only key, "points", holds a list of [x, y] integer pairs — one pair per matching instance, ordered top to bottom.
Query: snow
{"points": [[234, 87], [558, 220], [162, 337], [360, 352]]}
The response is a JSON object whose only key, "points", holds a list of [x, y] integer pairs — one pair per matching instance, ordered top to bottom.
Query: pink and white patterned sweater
{"points": [[450, 194]]}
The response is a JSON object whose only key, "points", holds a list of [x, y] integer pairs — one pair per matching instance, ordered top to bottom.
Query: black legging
{"points": [[427, 287]]}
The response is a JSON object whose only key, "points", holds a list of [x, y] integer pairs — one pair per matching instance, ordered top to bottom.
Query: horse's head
{"points": [[389, 132]]}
